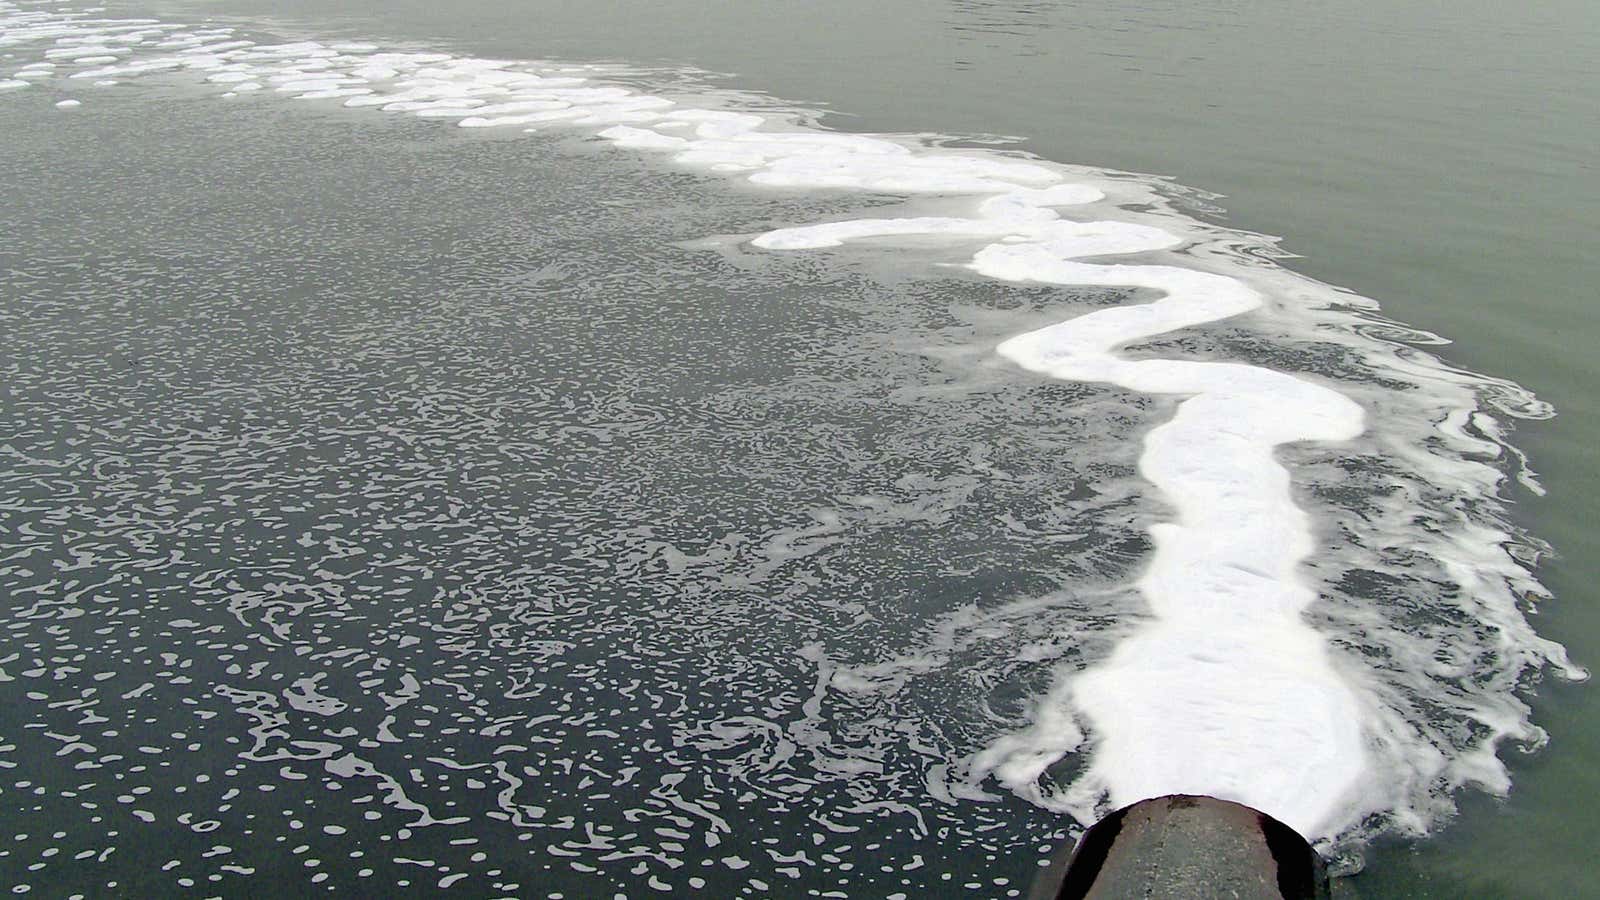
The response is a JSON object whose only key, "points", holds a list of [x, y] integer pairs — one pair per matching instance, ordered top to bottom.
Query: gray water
{"points": [[489, 415]]}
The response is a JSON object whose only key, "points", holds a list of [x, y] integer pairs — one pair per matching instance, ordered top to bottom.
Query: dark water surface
{"points": [[431, 419], [427, 436]]}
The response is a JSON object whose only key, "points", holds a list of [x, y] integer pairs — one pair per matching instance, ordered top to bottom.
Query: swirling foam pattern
{"points": [[1343, 668]]}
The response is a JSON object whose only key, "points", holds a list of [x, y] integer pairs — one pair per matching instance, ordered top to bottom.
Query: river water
{"points": [[791, 449]]}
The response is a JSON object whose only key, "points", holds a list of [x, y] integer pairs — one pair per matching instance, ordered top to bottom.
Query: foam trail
{"points": [[1225, 599], [1227, 667], [1223, 687]]}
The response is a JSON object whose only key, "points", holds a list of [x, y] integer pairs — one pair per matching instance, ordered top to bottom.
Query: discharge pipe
{"points": [[1186, 847]]}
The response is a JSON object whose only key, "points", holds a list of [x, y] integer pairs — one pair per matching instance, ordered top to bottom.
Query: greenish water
{"points": [[1436, 157]]}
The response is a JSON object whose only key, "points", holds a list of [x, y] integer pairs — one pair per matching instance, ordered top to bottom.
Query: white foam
{"points": [[77, 53], [333, 93], [1225, 599], [1225, 665]]}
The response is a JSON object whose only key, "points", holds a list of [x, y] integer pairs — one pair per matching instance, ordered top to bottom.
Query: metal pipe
{"points": [[1186, 846]]}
